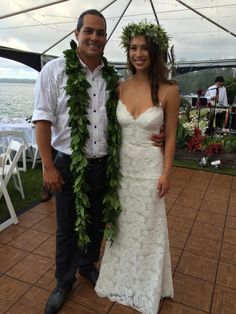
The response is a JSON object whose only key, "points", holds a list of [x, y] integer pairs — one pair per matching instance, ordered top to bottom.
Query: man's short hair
{"points": [[89, 12], [219, 79]]}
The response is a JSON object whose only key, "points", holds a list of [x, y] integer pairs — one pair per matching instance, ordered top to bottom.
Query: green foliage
{"points": [[152, 32], [192, 81], [230, 84], [77, 88], [181, 136], [211, 140], [229, 144]]}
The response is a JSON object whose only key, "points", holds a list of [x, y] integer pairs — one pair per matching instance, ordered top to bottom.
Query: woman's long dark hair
{"points": [[158, 71]]}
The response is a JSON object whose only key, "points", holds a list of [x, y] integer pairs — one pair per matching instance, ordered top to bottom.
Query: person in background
{"points": [[217, 94], [217, 97], [75, 113], [136, 267]]}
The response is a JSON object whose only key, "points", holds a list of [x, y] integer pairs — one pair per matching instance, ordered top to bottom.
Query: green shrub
{"points": [[229, 144]]}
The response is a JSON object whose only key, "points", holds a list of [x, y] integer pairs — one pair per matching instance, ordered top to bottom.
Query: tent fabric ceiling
{"points": [[193, 37], [30, 59]]}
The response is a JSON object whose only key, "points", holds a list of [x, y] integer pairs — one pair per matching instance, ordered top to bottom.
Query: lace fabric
{"points": [[136, 269]]}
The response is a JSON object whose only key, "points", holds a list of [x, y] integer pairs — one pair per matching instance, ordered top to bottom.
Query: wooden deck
{"points": [[201, 211]]}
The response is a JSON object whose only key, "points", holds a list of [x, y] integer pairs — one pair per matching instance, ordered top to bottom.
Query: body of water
{"points": [[16, 100]]}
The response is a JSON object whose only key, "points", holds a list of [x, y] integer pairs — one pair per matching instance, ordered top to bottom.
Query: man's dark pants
{"points": [[68, 255]]}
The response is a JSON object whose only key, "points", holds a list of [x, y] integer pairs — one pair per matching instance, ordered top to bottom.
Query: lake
{"points": [[16, 100]]}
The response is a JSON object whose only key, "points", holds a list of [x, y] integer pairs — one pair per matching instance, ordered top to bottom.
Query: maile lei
{"points": [[79, 101]]}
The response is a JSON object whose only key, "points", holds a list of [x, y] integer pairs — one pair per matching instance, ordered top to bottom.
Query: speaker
{"points": [[202, 101]]}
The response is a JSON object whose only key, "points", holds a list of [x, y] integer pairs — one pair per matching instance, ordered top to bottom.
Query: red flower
{"points": [[194, 143], [214, 148]]}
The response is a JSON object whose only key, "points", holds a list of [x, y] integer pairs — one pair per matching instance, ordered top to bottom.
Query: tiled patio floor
{"points": [[201, 208]]}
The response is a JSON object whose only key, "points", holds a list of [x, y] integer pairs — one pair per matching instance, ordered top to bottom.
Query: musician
{"points": [[216, 94]]}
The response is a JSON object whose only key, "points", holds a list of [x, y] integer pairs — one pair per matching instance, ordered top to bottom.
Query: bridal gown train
{"points": [[136, 269]]}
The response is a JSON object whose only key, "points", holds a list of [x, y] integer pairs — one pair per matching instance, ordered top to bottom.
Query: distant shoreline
{"points": [[19, 81]]}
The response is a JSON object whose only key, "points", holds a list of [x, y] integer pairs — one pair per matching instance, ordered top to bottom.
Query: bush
{"points": [[229, 144]]}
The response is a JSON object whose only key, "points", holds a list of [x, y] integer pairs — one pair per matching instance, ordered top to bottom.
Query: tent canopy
{"points": [[201, 32]]}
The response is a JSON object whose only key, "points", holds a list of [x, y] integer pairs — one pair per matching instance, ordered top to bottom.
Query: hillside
{"points": [[20, 81]]}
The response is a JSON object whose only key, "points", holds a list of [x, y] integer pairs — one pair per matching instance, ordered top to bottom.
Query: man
{"points": [[217, 93], [217, 97], [51, 112], [51, 117]]}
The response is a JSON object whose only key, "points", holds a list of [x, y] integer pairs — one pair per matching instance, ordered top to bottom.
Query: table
{"points": [[27, 129], [27, 136]]}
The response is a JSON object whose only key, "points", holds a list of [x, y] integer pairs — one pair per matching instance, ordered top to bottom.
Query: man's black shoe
{"points": [[46, 195], [91, 275], [56, 300]]}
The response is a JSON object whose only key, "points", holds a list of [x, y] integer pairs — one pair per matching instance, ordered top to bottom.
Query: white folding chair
{"points": [[19, 136], [36, 151], [9, 167], [13, 218]]}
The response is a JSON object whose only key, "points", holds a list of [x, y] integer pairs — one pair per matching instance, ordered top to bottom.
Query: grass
{"points": [[194, 165], [32, 185]]}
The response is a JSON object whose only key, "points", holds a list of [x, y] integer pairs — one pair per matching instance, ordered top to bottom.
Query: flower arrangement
{"points": [[188, 128], [191, 136], [194, 143], [214, 148]]}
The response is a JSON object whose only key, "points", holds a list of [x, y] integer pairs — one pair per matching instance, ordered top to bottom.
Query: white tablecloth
{"points": [[27, 129]]}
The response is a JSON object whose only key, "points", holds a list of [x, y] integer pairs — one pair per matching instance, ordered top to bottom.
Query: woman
{"points": [[136, 269]]}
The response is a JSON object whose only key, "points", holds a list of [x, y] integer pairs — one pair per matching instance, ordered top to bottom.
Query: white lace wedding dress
{"points": [[136, 269]]}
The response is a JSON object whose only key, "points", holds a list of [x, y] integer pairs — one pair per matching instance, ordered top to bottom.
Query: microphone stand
{"points": [[214, 117]]}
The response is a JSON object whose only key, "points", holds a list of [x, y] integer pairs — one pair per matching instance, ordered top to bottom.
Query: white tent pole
{"points": [[108, 5], [31, 9], [154, 12], [207, 18], [119, 20], [74, 30]]}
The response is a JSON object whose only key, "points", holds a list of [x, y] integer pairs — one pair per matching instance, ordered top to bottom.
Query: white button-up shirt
{"points": [[211, 92], [51, 105]]}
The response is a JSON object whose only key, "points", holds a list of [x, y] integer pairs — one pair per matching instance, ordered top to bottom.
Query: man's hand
{"points": [[159, 139], [52, 179]]}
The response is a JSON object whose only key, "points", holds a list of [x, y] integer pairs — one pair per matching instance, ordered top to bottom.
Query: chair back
{"points": [[19, 136], [10, 160], [4, 193]]}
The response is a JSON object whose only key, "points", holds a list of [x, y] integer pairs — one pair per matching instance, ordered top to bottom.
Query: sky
{"points": [[193, 37]]}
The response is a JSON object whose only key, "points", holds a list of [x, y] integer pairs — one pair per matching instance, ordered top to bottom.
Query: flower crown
{"points": [[152, 32]]}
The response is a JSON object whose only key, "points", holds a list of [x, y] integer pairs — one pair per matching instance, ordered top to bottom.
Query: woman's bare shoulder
{"points": [[170, 88], [174, 88], [169, 94]]}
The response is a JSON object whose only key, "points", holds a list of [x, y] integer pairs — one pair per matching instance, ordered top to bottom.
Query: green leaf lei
{"points": [[77, 88]]}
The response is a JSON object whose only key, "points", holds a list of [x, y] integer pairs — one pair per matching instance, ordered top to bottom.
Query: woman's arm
{"points": [[171, 109]]}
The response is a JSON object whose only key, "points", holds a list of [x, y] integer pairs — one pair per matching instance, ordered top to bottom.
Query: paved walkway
{"points": [[201, 208]]}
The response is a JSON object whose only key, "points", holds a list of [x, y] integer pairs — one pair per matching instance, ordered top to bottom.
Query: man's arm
{"points": [[159, 139], [51, 176]]}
